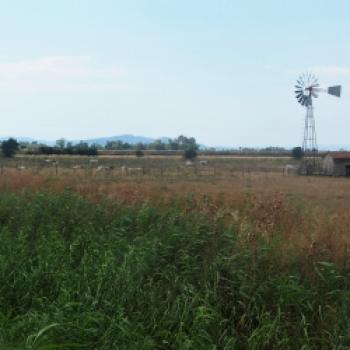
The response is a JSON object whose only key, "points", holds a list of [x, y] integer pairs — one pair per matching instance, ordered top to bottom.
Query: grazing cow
{"points": [[93, 161], [203, 162], [189, 163], [21, 167], [76, 167], [106, 169], [289, 169], [131, 171]]}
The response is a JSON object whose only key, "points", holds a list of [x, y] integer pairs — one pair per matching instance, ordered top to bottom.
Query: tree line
{"points": [[187, 145], [11, 146]]}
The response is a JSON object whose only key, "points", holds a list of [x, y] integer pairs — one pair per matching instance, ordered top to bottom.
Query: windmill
{"points": [[306, 89]]}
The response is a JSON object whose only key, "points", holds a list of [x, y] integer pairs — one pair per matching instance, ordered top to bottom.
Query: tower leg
{"points": [[310, 164]]}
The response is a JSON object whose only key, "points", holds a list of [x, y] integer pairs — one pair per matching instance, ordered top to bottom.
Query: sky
{"points": [[222, 71]]}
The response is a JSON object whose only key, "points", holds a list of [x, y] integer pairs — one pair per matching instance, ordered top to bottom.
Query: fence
{"points": [[145, 172]]}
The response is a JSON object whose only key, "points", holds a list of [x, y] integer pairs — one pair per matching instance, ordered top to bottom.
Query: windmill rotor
{"points": [[307, 86], [305, 89]]}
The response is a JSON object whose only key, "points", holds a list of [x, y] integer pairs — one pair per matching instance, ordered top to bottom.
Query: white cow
{"points": [[104, 168], [289, 169], [131, 171]]}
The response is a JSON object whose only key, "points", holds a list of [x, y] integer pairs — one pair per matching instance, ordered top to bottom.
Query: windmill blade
{"points": [[297, 87], [334, 90], [314, 94]]}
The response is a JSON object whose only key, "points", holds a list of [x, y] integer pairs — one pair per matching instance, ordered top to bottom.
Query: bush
{"points": [[9, 147], [139, 153], [297, 153], [190, 154]]}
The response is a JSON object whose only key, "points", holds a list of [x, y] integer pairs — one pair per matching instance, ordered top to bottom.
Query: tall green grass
{"points": [[76, 274]]}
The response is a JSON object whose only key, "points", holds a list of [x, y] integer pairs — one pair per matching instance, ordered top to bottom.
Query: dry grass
{"points": [[311, 213]]}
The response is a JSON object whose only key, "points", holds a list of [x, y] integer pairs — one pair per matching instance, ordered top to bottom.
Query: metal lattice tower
{"points": [[308, 87], [310, 162]]}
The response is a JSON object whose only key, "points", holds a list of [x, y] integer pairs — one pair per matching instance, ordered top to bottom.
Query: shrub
{"points": [[9, 147], [190, 153], [297, 153]]}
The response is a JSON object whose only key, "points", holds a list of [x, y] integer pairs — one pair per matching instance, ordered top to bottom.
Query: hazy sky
{"points": [[222, 71]]}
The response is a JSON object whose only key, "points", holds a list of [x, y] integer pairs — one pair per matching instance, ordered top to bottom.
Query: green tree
{"points": [[61, 143], [185, 143], [115, 145], [157, 145], [9, 147], [139, 147], [297, 152], [190, 154]]}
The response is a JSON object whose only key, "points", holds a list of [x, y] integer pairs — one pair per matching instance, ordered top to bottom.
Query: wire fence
{"points": [[145, 172]]}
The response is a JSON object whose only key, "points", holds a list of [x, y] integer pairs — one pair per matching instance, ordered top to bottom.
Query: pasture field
{"points": [[228, 162], [235, 259]]}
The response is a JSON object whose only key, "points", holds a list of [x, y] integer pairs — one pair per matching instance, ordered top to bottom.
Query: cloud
{"points": [[58, 74]]}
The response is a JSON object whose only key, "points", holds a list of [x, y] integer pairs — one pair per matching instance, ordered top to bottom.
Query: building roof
{"points": [[339, 155]]}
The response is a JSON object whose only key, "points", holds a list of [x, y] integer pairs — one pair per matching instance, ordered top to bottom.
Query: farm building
{"points": [[337, 164]]}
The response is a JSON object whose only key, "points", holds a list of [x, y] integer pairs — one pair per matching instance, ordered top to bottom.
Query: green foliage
{"points": [[61, 143], [179, 143], [118, 145], [9, 147], [81, 148], [297, 152], [190, 153], [75, 274]]}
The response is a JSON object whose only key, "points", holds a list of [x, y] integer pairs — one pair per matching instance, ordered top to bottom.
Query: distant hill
{"points": [[132, 139]]}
